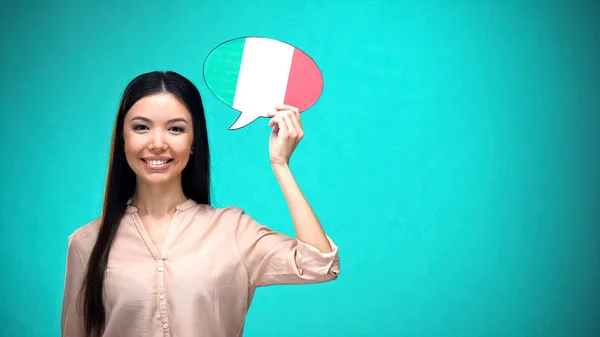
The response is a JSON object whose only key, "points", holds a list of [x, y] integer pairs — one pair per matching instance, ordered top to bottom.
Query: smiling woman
{"points": [[161, 261]]}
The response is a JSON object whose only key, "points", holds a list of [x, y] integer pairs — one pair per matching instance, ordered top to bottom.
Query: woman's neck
{"points": [[157, 201]]}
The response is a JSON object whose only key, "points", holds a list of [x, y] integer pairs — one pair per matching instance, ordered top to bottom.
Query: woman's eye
{"points": [[139, 127], [177, 129]]}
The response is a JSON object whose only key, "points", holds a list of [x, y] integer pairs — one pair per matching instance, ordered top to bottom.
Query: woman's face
{"points": [[158, 138]]}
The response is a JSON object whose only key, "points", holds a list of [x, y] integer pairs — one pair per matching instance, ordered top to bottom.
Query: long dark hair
{"points": [[121, 180]]}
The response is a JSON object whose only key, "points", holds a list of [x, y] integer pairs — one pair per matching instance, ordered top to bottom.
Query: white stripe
{"points": [[263, 76]]}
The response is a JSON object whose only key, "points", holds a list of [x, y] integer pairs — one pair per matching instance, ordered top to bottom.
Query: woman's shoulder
{"points": [[227, 211], [230, 215], [86, 235]]}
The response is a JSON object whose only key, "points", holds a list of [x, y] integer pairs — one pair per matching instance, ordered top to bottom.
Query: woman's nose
{"points": [[157, 143]]}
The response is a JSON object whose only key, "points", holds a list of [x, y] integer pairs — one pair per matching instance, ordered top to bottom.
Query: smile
{"points": [[157, 164]]}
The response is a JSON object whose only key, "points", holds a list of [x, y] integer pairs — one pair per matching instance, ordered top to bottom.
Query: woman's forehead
{"points": [[158, 107]]}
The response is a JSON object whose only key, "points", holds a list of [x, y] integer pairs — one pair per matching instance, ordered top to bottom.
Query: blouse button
{"points": [[160, 269], [162, 297], [166, 326]]}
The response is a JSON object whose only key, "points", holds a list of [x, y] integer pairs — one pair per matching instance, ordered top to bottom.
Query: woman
{"points": [[161, 261]]}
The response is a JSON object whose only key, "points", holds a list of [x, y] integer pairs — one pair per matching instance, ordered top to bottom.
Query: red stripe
{"points": [[305, 82]]}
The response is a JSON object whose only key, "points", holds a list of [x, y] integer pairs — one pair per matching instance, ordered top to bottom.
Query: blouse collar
{"points": [[189, 203]]}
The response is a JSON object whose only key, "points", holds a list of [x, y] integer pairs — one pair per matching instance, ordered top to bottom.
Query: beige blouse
{"points": [[202, 283]]}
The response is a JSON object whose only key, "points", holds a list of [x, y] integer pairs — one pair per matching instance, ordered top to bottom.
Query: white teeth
{"points": [[156, 162]]}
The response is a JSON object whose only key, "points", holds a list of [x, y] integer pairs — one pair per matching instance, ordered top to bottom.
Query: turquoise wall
{"points": [[453, 156]]}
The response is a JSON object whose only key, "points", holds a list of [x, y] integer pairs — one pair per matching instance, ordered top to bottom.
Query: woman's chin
{"points": [[158, 179]]}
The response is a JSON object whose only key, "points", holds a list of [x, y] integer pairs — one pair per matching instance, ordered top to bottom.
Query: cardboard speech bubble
{"points": [[255, 74]]}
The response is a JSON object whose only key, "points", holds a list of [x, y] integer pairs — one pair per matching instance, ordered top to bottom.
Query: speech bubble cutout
{"points": [[254, 75]]}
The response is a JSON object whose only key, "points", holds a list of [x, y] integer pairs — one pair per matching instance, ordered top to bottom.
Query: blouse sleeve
{"points": [[275, 258], [72, 320]]}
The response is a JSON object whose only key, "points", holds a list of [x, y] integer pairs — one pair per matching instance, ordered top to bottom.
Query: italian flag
{"points": [[253, 75]]}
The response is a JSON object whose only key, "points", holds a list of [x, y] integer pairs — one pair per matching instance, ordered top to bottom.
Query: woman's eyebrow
{"points": [[179, 119], [147, 120]]}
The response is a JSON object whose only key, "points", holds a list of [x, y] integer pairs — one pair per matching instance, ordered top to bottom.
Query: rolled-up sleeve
{"points": [[275, 258], [311, 260]]}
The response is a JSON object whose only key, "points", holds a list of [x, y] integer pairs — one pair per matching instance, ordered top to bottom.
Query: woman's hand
{"points": [[287, 133]]}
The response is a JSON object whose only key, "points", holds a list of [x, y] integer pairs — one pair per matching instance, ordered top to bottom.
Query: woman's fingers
{"points": [[288, 107], [291, 116], [280, 122]]}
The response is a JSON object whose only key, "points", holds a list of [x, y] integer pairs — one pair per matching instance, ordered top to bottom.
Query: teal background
{"points": [[453, 156]]}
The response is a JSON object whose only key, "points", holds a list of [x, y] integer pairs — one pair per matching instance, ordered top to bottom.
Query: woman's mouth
{"points": [[157, 164]]}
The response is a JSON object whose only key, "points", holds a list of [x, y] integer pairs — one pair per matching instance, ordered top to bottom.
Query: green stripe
{"points": [[222, 68]]}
